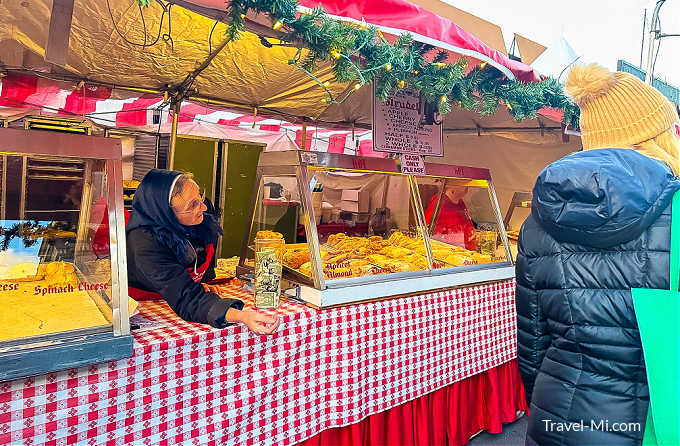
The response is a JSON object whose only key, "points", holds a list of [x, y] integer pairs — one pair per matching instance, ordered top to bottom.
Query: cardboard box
{"points": [[355, 200], [354, 206]]}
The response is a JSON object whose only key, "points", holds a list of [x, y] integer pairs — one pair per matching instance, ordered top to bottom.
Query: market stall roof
{"points": [[245, 75], [10, 114]]}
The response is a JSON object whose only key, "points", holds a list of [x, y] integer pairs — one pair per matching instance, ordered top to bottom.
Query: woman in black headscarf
{"points": [[170, 249]]}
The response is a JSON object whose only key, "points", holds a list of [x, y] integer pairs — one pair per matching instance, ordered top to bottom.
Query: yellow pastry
{"points": [[268, 235], [306, 269]]}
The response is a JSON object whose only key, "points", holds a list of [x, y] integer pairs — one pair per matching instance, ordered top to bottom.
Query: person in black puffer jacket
{"points": [[599, 226]]}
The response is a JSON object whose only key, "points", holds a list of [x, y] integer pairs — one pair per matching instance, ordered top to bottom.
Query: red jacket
{"points": [[454, 225]]}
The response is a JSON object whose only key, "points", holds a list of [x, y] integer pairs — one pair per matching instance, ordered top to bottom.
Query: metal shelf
{"points": [[56, 168], [54, 178], [54, 210]]}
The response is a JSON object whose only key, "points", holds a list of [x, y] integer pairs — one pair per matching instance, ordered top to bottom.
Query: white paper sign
{"points": [[397, 126], [309, 157], [412, 164]]}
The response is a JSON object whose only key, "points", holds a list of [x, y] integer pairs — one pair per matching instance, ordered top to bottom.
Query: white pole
{"points": [[653, 37]]}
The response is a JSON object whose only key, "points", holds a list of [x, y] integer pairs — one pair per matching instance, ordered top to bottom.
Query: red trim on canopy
{"points": [[400, 15], [405, 16]]}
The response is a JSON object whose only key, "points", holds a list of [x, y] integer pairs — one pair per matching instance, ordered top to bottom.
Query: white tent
{"points": [[556, 59]]}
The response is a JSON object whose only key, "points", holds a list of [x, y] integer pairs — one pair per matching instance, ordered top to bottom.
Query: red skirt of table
{"points": [[323, 369]]}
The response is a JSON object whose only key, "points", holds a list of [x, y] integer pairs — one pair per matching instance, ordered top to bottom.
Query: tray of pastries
{"points": [[349, 256]]}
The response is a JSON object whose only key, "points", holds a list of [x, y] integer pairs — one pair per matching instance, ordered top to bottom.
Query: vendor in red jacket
{"points": [[454, 225], [170, 249]]}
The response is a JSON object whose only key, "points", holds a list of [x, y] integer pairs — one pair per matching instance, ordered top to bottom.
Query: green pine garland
{"points": [[360, 55]]}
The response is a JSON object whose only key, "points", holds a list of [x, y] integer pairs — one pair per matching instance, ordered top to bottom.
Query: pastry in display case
{"points": [[363, 232], [64, 298]]}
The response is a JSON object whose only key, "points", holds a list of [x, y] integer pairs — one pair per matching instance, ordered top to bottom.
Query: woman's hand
{"points": [[258, 323]]}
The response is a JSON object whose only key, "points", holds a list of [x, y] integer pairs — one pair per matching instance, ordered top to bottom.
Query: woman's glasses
{"points": [[194, 205]]}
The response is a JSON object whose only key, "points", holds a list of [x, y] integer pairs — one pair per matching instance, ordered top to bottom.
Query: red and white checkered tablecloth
{"points": [[192, 384]]}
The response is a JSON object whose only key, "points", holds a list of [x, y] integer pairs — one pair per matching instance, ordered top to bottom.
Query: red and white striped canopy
{"points": [[24, 94]]}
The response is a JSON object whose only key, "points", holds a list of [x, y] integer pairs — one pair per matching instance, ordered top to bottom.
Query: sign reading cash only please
{"points": [[412, 164]]}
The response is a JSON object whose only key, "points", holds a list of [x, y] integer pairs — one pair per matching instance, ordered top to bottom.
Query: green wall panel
{"points": [[197, 156], [240, 180]]}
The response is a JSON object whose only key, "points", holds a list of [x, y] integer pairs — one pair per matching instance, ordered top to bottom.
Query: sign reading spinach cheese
{"points": [[398, 126]]}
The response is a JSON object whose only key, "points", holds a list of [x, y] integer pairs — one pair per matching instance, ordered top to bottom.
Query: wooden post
{"points": [[60, 30]]}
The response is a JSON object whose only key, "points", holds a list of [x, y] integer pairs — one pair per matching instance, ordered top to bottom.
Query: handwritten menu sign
{"points": [[397, 126], [412, 164]]}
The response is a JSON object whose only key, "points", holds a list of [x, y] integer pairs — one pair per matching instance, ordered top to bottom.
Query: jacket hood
{"points": [[603, 197]]}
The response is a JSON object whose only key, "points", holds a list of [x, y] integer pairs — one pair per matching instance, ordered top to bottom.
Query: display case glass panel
{"points": [[462, 221], [366, 223], [51, 280], [63, 287]]}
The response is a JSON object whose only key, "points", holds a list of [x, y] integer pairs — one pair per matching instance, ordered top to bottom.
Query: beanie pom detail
{"points": [[588, 82]]}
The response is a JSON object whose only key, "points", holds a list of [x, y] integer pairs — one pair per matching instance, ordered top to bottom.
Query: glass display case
{"points": [[518, 210], [357, 228], [63, 278]]}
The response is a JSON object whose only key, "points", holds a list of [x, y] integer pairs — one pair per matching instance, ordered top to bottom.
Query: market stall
{"points": [[326, 368]]}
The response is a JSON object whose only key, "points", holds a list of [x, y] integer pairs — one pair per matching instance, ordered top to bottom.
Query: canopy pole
{"points": [[653, 37], [173, 134], [304, 135]]}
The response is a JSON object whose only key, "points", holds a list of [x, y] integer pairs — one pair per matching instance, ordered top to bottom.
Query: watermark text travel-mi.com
{"points": [[593, 425]]}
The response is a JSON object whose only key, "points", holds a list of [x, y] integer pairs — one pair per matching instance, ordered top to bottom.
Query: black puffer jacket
{"points": [[600, 225]]}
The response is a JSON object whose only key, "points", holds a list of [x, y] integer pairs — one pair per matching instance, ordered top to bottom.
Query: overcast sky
{"points": [[600, 31]]}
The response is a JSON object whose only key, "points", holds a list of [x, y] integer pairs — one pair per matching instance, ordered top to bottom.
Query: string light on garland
{"points": [[358, 53], [327, 84], [442, 99]]}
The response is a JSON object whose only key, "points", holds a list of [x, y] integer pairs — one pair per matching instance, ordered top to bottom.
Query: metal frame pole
{"points": [[653, 37], [173, 134]]}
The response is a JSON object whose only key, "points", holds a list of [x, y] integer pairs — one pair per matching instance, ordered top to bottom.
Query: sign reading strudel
{"points": [[398, 126]]}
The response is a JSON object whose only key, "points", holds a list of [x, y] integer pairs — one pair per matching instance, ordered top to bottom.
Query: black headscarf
{"points": [[151, 210]]}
